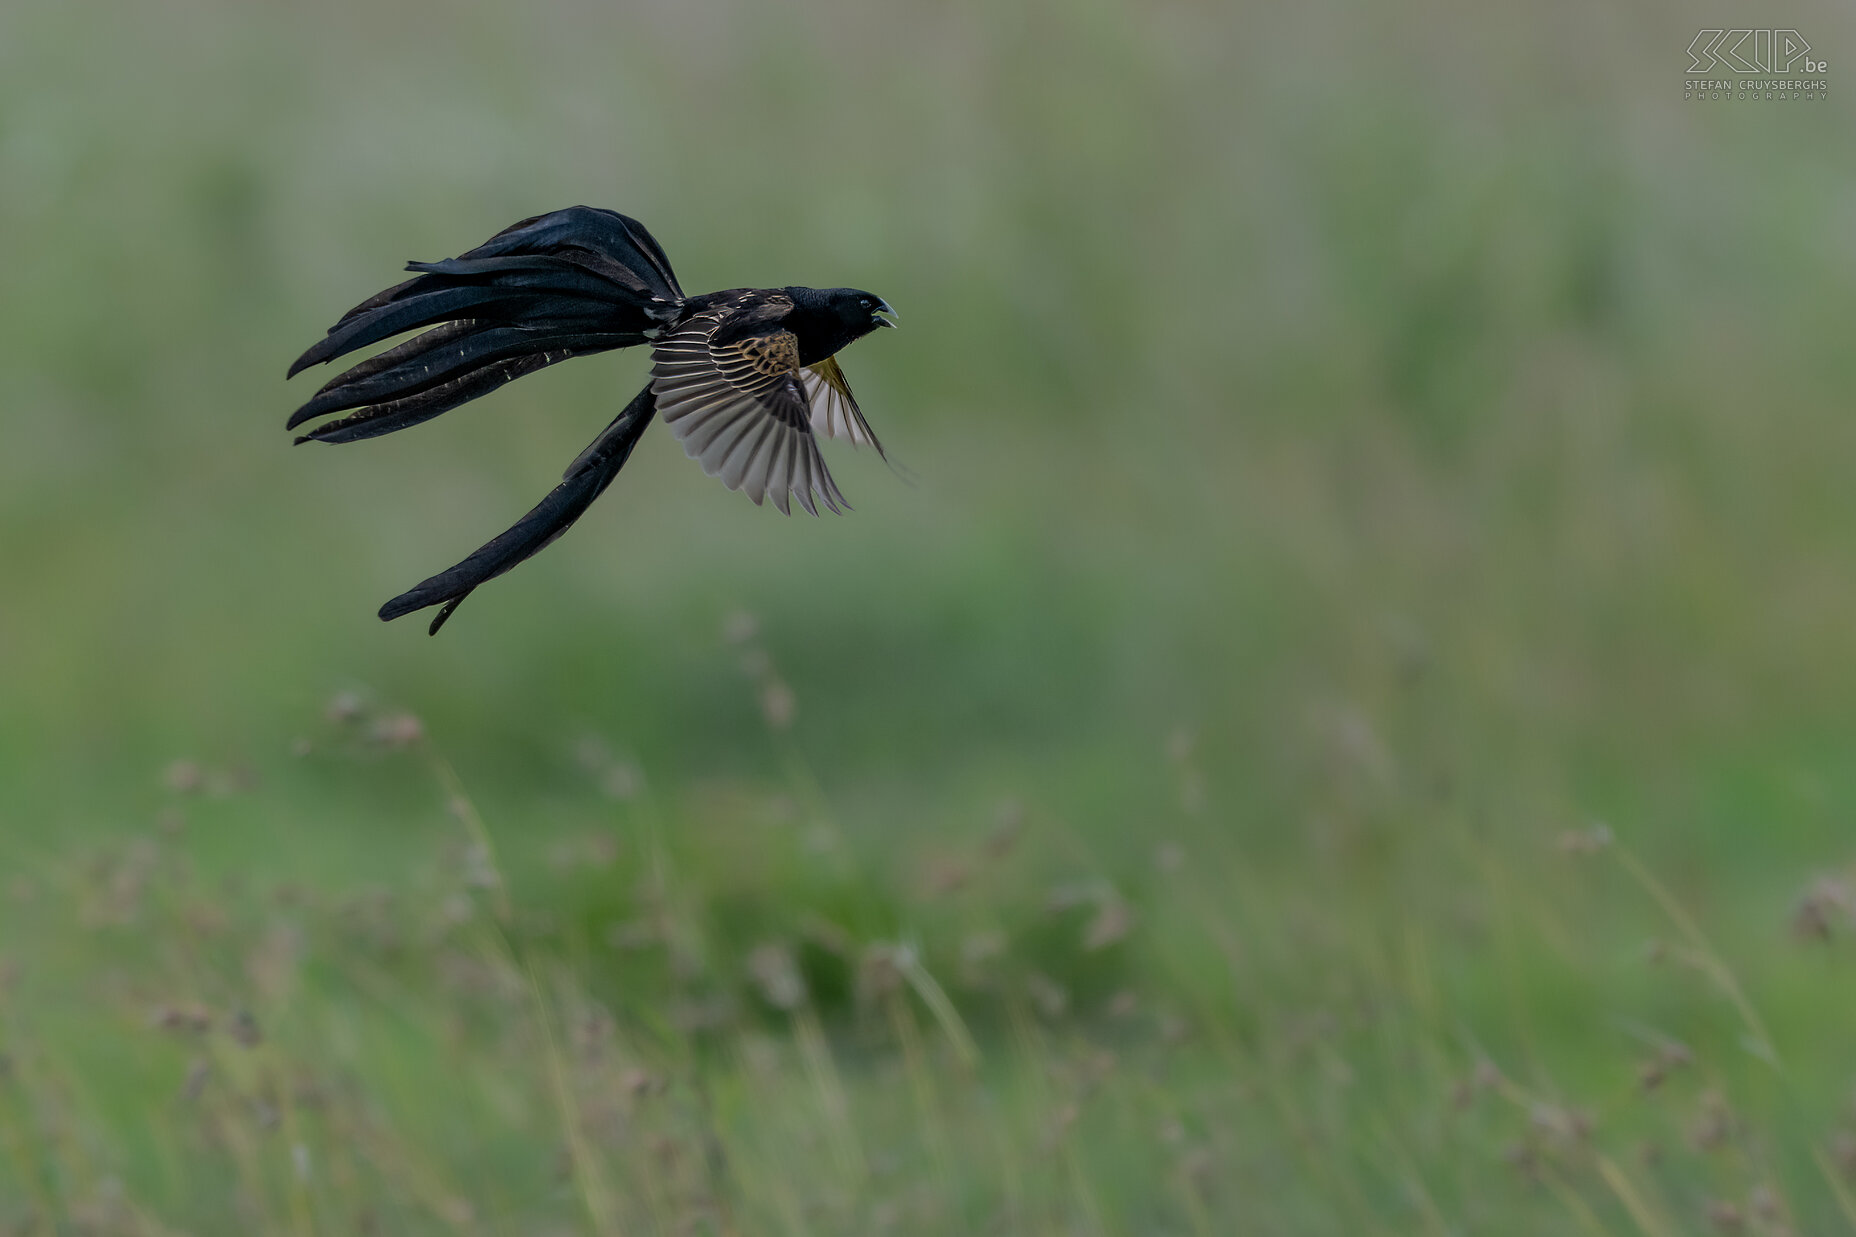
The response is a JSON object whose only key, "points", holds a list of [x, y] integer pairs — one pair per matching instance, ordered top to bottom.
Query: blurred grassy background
{"points": [[1349, 733]]}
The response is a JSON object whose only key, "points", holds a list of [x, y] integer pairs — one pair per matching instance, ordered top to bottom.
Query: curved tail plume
{"points": [[560, 285], [586, 479]]}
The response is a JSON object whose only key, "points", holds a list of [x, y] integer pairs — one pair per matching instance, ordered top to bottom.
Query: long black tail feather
{"points": [[604, 240], [560, 285], [464, 371], [586, 479]]}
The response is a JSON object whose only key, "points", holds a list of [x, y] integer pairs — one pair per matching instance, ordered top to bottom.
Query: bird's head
{"points": [[862, 309], [845, 314]]}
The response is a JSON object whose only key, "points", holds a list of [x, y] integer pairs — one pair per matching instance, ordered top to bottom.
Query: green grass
{"points": [[1349, 732]]}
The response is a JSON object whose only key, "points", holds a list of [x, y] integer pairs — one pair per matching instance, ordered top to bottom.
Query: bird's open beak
{"points": [[882, 307]]}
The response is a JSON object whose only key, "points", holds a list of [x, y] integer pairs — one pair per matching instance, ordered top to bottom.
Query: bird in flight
{"points": [[747, 379]]}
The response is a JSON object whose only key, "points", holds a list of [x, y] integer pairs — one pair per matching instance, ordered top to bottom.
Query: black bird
{"points": [[746, 379]]}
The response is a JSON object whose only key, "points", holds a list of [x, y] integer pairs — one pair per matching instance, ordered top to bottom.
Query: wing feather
{"points": [[832, 407], [741, 408]]}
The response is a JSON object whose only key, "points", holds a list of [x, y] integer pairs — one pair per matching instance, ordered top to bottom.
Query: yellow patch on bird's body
{"points": [[834, 378]]}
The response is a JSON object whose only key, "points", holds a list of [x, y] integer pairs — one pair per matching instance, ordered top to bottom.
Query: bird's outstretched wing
{"points": [[559, 285], [738, 405], [834, 409], [586, 479]]}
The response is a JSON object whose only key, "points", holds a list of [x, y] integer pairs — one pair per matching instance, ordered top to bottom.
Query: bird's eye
{"points": [[864, 302]]}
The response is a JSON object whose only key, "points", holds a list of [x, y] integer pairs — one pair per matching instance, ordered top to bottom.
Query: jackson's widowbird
{"points": [[746, 379]]}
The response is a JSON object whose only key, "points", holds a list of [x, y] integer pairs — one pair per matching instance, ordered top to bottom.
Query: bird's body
{"points": [[746, 378]]}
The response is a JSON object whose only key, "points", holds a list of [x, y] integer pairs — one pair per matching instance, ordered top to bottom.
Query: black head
{"points": [[837, 316]]}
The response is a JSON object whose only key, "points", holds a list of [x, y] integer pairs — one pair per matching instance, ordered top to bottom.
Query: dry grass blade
{"points": [[1705, 954], [908, 961], [1839, 1188], [1652, 1224]]}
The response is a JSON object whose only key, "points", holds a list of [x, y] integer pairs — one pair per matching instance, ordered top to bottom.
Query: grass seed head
{"points": [[740, 627], [778, 704], [344, 708], [396, 731], [184, 777], [1008, 824], [1589, 841], [942, 877], [1826, 904], [1112, 922], [775, 974], [878, 974], [1048, 997], [188, 1018], [243, 1027], [1713, 1123], [1843, 1154], [1724, 1217]]}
